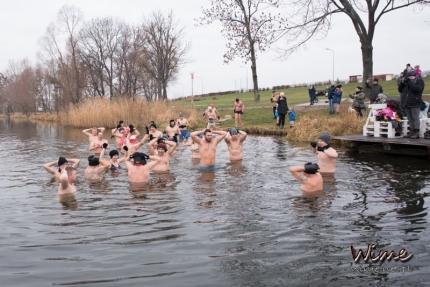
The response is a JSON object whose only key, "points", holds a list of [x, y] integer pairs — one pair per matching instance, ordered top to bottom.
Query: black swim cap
{"points": [[112, 153], [139, 158], [93, 160], [61, 161], [311, 168]]}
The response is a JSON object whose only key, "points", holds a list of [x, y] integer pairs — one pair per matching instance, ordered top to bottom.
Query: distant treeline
{"points": [[99, 58]]}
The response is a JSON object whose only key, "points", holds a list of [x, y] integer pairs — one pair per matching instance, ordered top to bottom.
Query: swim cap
{"points": [[325, 137], [133, 139], [112, 153], [139, 158], [62, 160], [93, 160], [311, 168]]}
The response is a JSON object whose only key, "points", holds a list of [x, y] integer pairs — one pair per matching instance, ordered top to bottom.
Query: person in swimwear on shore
{"points": [[238, 109], [211, 116], [182, 123], [234, 140], [208, 145], [165, 150], [326, 154], [138, 168], [65, 174], [309, 177]]}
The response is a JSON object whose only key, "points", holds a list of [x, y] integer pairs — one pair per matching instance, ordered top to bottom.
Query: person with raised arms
{"points": [[172, 131], [92, 133], [234, 140], [98, 144], [134, 144], [208, 145], [165, 149], [327, 155], [115, 159], [96, 167], [139, 168], [65, 174], [309, 177]]}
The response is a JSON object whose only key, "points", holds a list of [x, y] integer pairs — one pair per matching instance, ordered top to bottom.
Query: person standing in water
{"points": [[238, 109], [172, 131], [93, 133], [234, 140], [98, 144], [133, 144], [208, 145], [165, 151], [327, 155], [115, 159], [96, 168], [138, 168], [65, 174], [309, 177]]}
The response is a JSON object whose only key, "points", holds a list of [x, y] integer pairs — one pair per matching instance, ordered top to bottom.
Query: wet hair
{"points": [[237, 100], [172, 121], [120, 122], [152, 125], [131, 127], [207, 131], [113, 153], [139, 158], [62, 160], [93, 160], [311, 168]]}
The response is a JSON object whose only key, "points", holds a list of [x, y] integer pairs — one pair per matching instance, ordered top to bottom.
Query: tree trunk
{"points": [[367, 57], [254, 74], [164, 91]]}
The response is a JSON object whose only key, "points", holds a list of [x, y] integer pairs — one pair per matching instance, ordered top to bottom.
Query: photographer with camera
{"points": [[411, 97], [326, 154]]}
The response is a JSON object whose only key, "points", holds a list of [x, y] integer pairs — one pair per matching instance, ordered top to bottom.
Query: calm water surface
{"points": [[242, 225]]}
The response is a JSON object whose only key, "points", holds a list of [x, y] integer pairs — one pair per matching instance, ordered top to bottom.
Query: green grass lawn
{"points": [[259, 114]]}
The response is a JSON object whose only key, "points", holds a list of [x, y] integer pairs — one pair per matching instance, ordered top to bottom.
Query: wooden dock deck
{"points": [[400, 146]]}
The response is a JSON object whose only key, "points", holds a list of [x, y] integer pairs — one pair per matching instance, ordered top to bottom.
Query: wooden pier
{"points": [[400, 146]]}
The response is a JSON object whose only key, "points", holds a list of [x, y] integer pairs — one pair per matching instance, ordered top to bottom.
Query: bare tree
{"points": [[314, 16], [248, 26], [163, 50]]}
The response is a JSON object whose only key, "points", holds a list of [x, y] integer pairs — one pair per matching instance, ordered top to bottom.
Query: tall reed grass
{"points": [[107, 113], [311, 124]]}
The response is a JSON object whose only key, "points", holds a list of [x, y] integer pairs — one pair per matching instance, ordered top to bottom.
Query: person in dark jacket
{"points": [[413, 88], [374, 90], [312, 94], [330, 96], [358, 103], [282, 109]]}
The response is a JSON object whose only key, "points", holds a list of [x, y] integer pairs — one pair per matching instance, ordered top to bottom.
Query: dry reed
{"points": [[107, 113], [311, 124]]}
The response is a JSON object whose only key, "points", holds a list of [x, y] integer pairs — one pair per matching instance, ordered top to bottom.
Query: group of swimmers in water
{"points": [[161, 147]]}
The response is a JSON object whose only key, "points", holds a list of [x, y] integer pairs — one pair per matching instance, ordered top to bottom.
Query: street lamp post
{"points": [[332, 51]]}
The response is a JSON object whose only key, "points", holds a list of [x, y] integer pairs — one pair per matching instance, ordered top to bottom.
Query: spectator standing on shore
{"points": [[412, 87], [374, 90], [312, 94], [330, 96], [337, 99], [274, 101], [358, 103], [238, 108], [282, 109], [292, 117]]}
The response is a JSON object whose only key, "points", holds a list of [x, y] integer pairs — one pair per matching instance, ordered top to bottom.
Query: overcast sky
{"points": [[402, 37]]}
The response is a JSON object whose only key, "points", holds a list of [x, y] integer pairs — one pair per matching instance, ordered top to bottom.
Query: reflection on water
{"points": [[238, 224]]}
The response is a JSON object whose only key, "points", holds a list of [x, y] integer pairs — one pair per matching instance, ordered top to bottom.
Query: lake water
{"points": [[246, 225]]}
